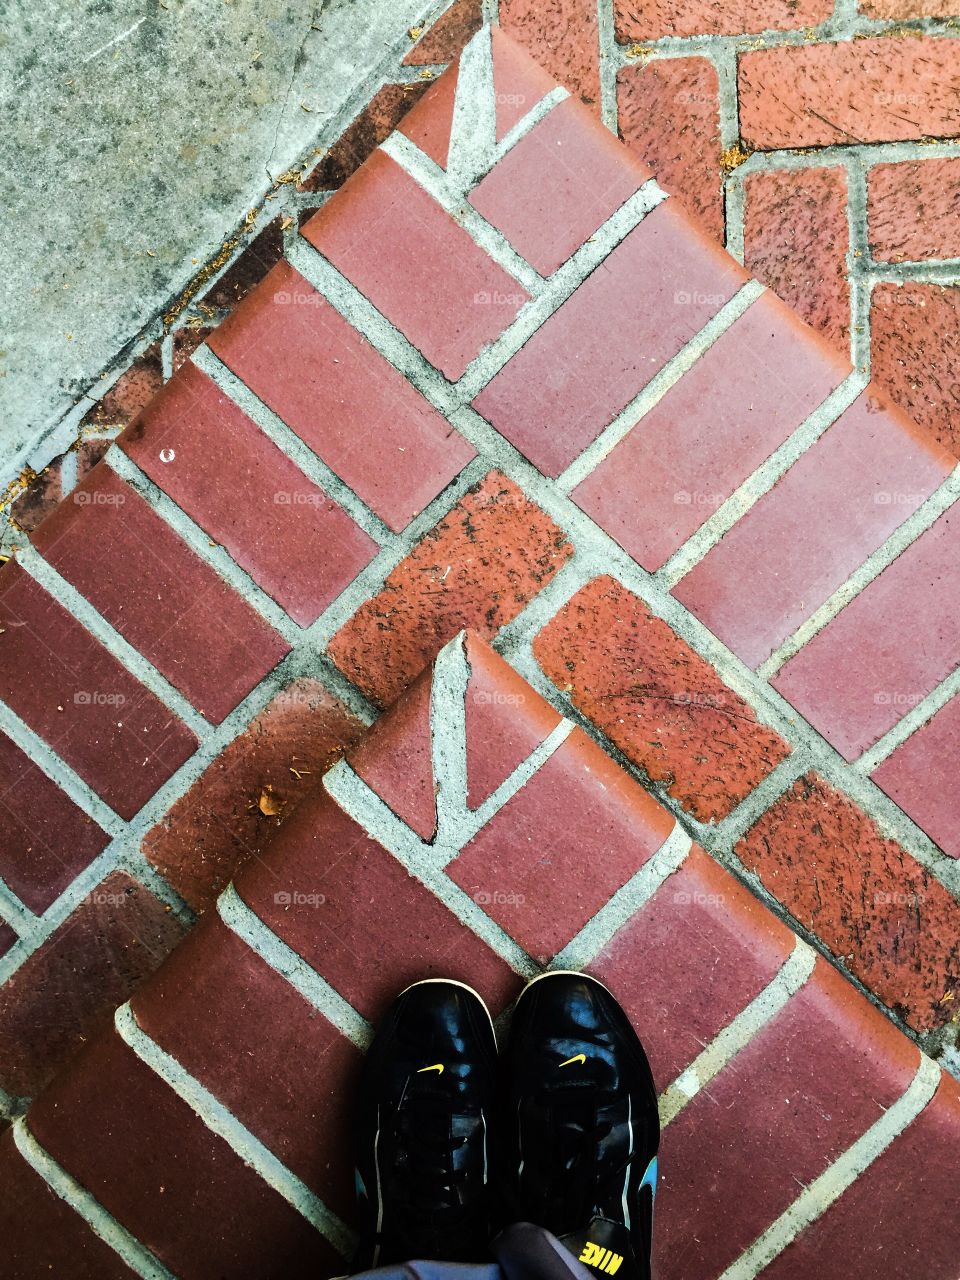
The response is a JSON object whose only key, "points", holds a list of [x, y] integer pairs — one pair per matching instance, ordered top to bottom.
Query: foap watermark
{"points": [[898, 98], [297, 298], [495, 298], [695, 298], [96, 498], [297, 498], [697, 498], [895, 498], [98, 698], [497, 698], [897, 698], [698, 699], [104, 898], [294, 898], [498, 898], [696, 899], [899, 899]]}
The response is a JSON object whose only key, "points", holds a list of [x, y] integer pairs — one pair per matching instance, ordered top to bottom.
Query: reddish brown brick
{"points": [[908, 8], [652, 19], [451, 31], [562, 36], [879, 89], [670, 116], [375, 122], [429, 123], [913, 210], [796, 238], [262, 253], [915, 341], [185, 342], [131, 392], [38, 500], [478, 568], [658, 701], [117, 736], [919, 777], [212, 831], [45, 839], [561, 847], [891, 923], [8, 937], [690, 960], [68, 989], [250, 1038], [813, 1080], [151, 1162]]}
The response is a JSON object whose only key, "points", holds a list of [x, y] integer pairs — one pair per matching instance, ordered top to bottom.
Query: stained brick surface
{"points": [[651, 19], [562, 36], [444, 40], [375, 122], [913, 210], [477, 568], [657, 700], [918, 775], [892, 923]]}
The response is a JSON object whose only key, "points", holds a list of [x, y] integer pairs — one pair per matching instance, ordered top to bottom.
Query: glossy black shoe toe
{"points": [[427, 1090]]}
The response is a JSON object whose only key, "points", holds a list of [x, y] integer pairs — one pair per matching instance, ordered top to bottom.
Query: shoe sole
{"points": [[453, 982]]}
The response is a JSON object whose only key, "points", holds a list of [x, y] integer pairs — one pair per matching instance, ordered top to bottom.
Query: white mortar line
{"points": [[491, 11], [608, 64], [526, 124], [473, 127], [869, 154], [428, 175], [734, 214], [858, 254], [937, 271], [659, 385], [309, 463], [68, 473], [761, 481], [902, 537], [199, 541], [139, 667], [917, 716], [448, 740], [765, 794], [367, 809], [15, 912], [586, 945], [283, 960], [738, 1033], [11, 1107], [221, 1121], [816, 1198], [136, 1255]]}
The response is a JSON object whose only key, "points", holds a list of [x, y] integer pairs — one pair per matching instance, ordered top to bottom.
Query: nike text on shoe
{"points": [[426, 1092], [580, 1124]]}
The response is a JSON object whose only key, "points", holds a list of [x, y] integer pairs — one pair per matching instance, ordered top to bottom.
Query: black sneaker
{"points": [[426, 1092], [580, 1124]]}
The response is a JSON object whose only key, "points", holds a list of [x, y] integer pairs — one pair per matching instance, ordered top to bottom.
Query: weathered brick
{"points": [[907, 8], [653, 19], [451, 31], [562, 36], [879, 89], [669, 114], [375, 122], [913, 210], [796, 237], [262, 253], [915, 342], [131, 392], [38, 500], [478, 568], [664, 707], [919, 777], [213, 830], [879, 911], [66, 992]]}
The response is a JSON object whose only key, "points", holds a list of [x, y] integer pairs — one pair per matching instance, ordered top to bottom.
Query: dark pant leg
{"points": [[522, 1252]]}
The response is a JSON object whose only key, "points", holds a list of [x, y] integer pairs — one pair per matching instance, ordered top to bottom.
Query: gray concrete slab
{"points": [[136, 134]]}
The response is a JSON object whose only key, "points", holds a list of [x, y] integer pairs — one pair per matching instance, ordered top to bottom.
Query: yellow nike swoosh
{"points": [[581, 1057], [437, 1067]]}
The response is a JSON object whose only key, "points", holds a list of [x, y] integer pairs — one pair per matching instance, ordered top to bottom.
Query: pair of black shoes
{"points": [[561, 1130]]}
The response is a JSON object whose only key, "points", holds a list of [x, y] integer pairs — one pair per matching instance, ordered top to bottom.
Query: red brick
{"points": [[907, 8], [652, 19], [451, 31], [562, 36], [519, 80], [872, 90], [669, 114], [375, 122], [429, 123], [557, 185], [913, 210], [796, 237], [249, 268], [428, 278], [663, 283], [185, 343], [916, 354], [131, 392], [738, 403], [363, 418], [89, 453], [867, 474], [38, 499], [299, 546], [118, 553], [478, 568], [864, 671], [656, 700], [505, 721], [117, 736], [394, 758], [919, 777], [212, 831], [45, 839], [558, 849], [338, 882], [891, 923], [8, 937], [690, 960], [66, 992], [250, 1038], [806, 1087], [152, 1163], [877, 1229], [41, 1233]]}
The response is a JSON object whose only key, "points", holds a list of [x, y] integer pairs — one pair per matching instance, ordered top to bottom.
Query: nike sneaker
{"points": [[426, 1093], [579, 1124]]}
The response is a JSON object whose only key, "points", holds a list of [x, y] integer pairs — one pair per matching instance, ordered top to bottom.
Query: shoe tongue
{"points": [[605, 1248]]}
